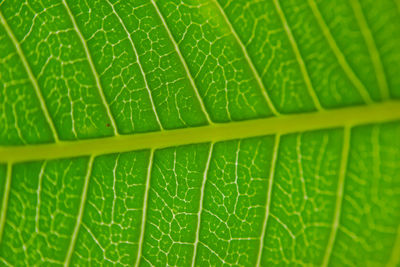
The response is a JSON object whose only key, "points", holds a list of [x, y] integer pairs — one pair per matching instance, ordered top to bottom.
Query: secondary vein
{"points": [[372, 49], [339, 55], [299, 58], [249, 60], [183, 61], [139, 64], [92, 67], [31, 76], [203, 184], [6, 194], [339, 196], [268, 201], [144, 211], [78, 223], [394, 259]]}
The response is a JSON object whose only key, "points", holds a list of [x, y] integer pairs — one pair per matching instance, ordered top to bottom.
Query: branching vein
{"points": [[372, 49], [339, 55], [299, 58], [183, 61], [249, 61], [139, 63], [93, 69], [31, 76], [203, 184], [6, 194], [339, 196], [268, 202], [144, 211], [78, 223]]}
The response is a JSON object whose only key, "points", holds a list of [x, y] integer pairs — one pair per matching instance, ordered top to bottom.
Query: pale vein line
{"points": [[397, 3], [372, 49], [339, 55], [299, 58], [249, 60], [183, 61], [139, 64], [92, 67], [31, 77], [358, 115], [239, 143], [376, 155], [300, 165], [203, 185], [114, 188], [38, 191], [6, 195], [339, 195], [268, 201], [144, 211], [80, 212], [93, 236], [217, 255], [394, 259], [6, 263]]}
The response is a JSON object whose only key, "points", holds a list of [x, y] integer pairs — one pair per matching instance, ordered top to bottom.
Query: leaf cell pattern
{"points": [[76, 71]]}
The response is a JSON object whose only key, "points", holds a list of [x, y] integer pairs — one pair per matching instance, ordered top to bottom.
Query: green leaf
{"points": [[200, 133]]}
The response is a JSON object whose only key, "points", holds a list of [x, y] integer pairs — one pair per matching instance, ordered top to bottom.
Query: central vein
{"points": [[350, 116]]}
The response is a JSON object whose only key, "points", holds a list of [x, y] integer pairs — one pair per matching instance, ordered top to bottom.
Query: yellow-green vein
{"points": [[372, 49], [339, 55], [299, 58], [248, 60], [183, 61], [139, 64], [93, 68], [31, 76], [351, 116], [203, 184], [6, 194], [339, 196], [268, 198], [82, 204], [144, 210]]}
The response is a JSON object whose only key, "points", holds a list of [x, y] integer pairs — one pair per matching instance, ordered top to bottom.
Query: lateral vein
{"points": [[372, 49], [339, 55], [299, 58], [183, 61], [249, 61], [139, 64], [92, 67], [31, 76], [284, 124], [203, 184], [38, 192], [339, 195], [268, 201], [3, 211], [144, 211], [78, 223], [394, 259]]}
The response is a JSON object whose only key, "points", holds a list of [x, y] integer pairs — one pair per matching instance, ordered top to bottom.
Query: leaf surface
{"points": [[200, 133]]}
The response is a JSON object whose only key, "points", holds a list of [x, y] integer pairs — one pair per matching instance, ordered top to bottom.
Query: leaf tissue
{"points": [[200, 133]]}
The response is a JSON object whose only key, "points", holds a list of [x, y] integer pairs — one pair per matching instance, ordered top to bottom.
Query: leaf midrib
{"points": [[337, 118]]}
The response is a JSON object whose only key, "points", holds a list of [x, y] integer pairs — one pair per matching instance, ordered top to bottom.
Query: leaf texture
{"points": [[200, 133]]}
